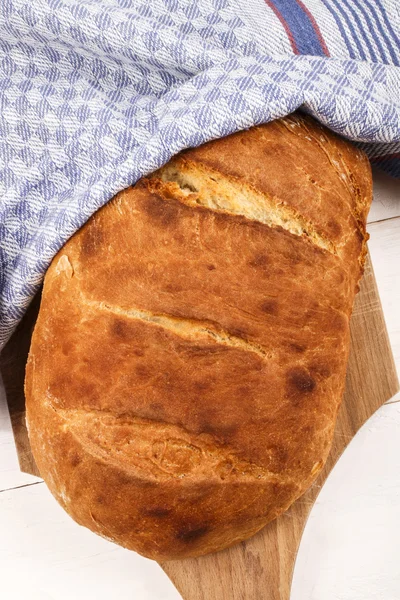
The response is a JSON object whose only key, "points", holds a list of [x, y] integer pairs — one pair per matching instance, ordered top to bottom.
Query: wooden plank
{"points": [[386, 204], [384, 247], [11, 475], [350, 547], [45, 555], [262, 566]]}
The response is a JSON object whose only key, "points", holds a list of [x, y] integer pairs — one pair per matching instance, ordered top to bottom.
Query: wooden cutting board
{"points": [[262, 567]]}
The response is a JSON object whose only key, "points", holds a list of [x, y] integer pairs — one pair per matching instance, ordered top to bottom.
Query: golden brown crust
{"points": [[329, 183], [189, 360]]}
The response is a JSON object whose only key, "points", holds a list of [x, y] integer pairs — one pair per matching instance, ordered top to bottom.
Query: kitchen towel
{"points": [[95, 94]]}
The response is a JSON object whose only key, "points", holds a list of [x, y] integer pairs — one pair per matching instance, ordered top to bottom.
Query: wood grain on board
{"points": [[12, 367], [260, 568]]}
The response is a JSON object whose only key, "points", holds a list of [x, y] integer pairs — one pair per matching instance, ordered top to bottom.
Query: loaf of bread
{"points": [[189, 357]]}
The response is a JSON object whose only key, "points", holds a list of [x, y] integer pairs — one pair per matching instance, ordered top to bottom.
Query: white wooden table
{"points": [[351, 544]]}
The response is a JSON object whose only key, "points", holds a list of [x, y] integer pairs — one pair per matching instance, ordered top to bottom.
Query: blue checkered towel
{"points": [[96, 93]]}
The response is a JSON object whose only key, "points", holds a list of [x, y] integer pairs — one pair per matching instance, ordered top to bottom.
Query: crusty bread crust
{"points": [[189, 357]]}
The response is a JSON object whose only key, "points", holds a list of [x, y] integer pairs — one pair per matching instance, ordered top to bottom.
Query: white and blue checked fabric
{"points": [[95, 94]]}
